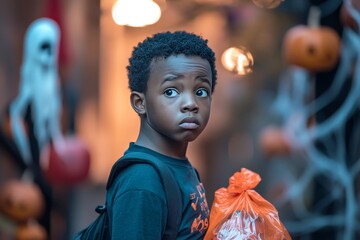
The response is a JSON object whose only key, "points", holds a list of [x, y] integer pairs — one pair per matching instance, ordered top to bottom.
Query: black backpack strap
{"points": [[197, 174], [171, 188]]}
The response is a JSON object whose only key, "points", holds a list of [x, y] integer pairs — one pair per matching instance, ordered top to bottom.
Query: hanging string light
{"points": [[136, 13], [237, 60]]}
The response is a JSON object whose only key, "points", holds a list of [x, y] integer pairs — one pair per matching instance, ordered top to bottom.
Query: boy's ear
{"points": [[137, 100]]}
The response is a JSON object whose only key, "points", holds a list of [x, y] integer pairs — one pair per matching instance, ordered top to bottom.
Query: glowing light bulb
{"points": [[267, 3], [136, 13], [237, 60]]}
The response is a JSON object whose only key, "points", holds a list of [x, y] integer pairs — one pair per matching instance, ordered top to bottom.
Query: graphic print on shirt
{"points": [[199, 204]]}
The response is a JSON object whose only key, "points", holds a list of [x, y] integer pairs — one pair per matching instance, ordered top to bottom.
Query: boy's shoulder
{"points": [[143, 168], [139, 171], [139, 176]]}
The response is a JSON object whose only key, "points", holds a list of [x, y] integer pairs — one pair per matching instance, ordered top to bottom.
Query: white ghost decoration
{"points": [[39, 87]]}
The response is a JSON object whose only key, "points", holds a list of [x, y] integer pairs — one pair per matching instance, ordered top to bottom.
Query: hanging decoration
{"points": [[136, 13], [237, 60]]}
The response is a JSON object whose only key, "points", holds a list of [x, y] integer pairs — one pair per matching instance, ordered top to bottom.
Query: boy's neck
{"points": [[168, 148]]}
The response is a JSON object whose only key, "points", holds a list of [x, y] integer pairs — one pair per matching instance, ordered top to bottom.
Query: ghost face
{"points": [[41, 44]]}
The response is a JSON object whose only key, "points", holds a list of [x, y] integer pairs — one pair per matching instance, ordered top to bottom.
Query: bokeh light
{"points": [[267, 3], [136, 13], [237, 60], [240, 147]]}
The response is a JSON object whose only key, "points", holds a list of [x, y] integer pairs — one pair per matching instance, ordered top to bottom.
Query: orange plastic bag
{"points": [[238, 212]]}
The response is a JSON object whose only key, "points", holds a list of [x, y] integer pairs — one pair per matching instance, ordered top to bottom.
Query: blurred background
{"points": [[286, 106]]}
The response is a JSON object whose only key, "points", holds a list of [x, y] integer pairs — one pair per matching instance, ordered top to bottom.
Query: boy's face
{"points": [[178, 98]]}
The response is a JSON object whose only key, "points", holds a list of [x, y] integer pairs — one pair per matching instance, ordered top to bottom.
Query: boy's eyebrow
{"points": [[174, 76], [204, 78]]}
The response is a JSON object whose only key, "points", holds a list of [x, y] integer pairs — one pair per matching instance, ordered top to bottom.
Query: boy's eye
{"points": [[170, 92], [202, 92]]}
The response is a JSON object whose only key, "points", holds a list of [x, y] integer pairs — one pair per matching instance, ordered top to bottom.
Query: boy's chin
{"points": [[192, 138]]}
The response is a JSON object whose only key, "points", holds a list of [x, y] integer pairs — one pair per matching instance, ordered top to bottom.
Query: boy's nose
{"points": [[189, 104]]}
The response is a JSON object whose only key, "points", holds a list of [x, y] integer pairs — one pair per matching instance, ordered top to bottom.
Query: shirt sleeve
{"points": [[139, 209], [138, 214]]}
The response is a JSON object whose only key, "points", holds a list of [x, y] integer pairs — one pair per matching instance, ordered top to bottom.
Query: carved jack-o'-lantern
{"points": [[316, 49], [273, 142], [20, 200], [31, 231]]}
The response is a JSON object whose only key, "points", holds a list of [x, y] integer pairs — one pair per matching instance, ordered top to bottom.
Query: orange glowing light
{"points": [[128, 12], [238, 60]]}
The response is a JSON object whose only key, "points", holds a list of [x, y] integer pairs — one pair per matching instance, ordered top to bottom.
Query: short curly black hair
{"points": [[166, 44]]}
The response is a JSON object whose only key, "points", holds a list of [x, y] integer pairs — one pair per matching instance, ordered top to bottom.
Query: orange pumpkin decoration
{"points": [[316, 49], [273, 142], [20, 200], [31, 231]]}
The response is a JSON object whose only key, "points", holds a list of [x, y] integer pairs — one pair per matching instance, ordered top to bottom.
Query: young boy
{"points": [[172, 76]]}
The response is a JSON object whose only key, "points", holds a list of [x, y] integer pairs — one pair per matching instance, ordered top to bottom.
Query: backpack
{"points": [[99, 229]]}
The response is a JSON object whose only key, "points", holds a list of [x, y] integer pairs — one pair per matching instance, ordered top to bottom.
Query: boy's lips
{"points": [[189, 123]]}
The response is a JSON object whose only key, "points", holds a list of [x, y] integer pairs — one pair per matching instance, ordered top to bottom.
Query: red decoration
{"points": [[53, 10], [66, 162]]}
